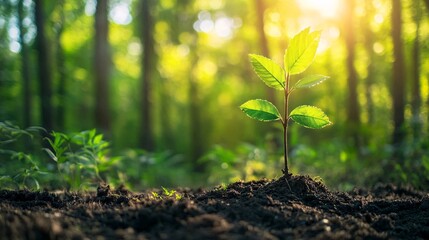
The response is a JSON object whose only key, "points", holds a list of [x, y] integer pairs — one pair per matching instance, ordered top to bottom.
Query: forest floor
{"points": [[296, 208]]}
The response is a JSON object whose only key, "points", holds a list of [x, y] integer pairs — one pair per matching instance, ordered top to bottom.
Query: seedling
{"points": [[298, 57], [81, 156], [168, 193], [171, 193], [155, 196]]}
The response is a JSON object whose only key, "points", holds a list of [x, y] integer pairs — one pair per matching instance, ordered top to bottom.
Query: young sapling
{"points": [[298, 57]]}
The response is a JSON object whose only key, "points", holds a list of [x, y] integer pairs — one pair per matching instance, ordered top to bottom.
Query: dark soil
{"points": [[298, 208]]}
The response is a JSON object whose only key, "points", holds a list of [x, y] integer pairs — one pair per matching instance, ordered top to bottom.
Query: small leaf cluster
{"points": [[298, 57], [80, 157], [28, 173], [167, 193]]}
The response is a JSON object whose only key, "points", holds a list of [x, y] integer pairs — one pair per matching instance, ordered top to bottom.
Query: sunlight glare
{"points": [[90, 7], [326, 8], [120, 14], [219, 25], [223, 27], [15, 47], [134, 48]]}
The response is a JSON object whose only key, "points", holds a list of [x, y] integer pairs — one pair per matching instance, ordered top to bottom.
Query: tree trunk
{"points": [[427, 4], [369, 41], [263, 43], [147, 65], [25, 67], [102, 67], [44, 73], [398, 78], [62, 81], [416, 94], [165, 102], [427, 104], [353, 111], [195, 124]]}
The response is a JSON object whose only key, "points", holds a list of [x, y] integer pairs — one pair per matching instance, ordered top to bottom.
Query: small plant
{"points": [[298, 57], [10, 133], [80, 156], [23, 167], [27, 177], [168, 193], [171, 193], [155, 196]]}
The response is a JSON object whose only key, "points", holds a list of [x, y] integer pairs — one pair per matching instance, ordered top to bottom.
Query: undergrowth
{"points": [[80, 161]]}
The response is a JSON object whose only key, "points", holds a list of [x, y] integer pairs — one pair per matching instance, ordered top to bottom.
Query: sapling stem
{"points": [[285, 124]]}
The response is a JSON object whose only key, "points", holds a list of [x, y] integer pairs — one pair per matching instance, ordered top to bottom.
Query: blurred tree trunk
{"points": [[427, 4], [369, 41], [263, 43], [147, 65], [44, 66], [102, 67], [25, 68], [62, 77], [398, 79], [416, 94], [165, 102], [353, 111], [196, 140]]}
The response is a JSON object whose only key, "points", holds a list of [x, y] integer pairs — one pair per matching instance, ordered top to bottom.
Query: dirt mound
{"points": [[291, 207]]}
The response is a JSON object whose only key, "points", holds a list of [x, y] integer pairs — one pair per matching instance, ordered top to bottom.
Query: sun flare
{"points": [[326, 8]]}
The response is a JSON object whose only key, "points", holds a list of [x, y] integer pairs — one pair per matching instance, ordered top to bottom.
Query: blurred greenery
{"points": [[200, 75]]}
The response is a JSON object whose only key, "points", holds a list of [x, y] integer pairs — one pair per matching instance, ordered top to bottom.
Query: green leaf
{"points": [[301, 51], [268, 71], [310, 81], [261, 110], [310, 117], [51, 154]]}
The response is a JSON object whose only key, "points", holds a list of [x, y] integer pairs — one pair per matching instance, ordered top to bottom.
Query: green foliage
{"points": [[301, 51], [298, 57], [269, 71], [199, 72], [310, 81], [261, 110], [310, 117], [10, 133], [80, 157], [80, 161], [245, 162], [414, 167], [142, 169], [27, 173], [27, 176], [166, 193], [171, 193], [156, 196]]}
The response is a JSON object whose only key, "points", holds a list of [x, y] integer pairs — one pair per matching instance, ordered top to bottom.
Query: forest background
{"points": [[163, 82]]}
